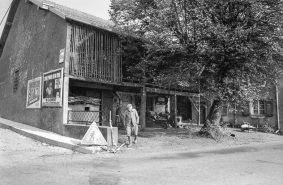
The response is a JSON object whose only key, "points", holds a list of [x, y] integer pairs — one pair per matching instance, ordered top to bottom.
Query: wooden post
{"points": [[68, 49], [66, 74], [66, 100], [114, 108], [143, 109], [173, 110]]}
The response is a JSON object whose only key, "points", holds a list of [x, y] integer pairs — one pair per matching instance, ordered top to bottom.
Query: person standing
{"points": [[49, 90], [131, 123]]}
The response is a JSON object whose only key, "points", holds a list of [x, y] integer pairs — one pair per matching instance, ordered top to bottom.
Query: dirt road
{"points": [[24, 161], [27, 162], [257, 164]]}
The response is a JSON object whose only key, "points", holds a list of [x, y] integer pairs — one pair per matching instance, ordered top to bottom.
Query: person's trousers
{"points": [[130, 129]]}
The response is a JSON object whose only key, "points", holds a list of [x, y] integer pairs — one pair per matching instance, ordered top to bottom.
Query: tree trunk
{"points": [[214, 114]]}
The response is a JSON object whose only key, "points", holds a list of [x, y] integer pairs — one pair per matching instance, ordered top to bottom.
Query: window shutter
{"points": [[251, 107], [269, 108]]}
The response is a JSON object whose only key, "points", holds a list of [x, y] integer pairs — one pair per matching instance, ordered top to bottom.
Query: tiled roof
{"points": [[76, 15]]}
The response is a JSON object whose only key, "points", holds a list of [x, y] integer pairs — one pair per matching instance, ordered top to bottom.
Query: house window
{"points": [[16, 81], [258, 107]]}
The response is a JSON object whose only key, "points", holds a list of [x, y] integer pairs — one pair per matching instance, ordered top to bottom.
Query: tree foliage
{"points": [[228, 47]]}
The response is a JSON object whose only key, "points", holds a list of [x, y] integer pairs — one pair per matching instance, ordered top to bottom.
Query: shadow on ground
{"points": [[191, 132]]}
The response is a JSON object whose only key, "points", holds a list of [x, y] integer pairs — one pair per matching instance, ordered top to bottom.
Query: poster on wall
{"points": [[62, 56], [52, 88], [34, 94]]}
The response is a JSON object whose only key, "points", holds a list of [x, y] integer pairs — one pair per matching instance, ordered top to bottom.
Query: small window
{"points": [[16, 81], [259, 107], [87, 108]]}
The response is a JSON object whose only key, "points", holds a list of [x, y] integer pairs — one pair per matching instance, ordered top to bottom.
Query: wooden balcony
{"points": [[95, 53]]}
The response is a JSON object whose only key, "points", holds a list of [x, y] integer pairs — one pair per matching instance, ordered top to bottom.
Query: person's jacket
{"points": [[131, 117]]}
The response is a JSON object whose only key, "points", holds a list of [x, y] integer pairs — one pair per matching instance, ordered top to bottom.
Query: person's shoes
{"points": [[135, 142]]}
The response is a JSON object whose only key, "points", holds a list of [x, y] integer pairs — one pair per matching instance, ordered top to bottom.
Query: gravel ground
{"points": [[152, 140], [155, 140], [16, 145], [158, 153]]}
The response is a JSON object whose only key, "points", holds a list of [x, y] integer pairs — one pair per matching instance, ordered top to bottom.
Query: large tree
{"points": [[224, 48]]}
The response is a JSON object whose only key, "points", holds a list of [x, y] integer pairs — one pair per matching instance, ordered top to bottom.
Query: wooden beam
{"points": [[68, 49], [105, 82], [91, 85], [168, 92], [65, 100], [143, 109], [173, 110]]}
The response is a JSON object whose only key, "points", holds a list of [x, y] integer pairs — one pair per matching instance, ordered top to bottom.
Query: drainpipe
{"points": [[199, 102], [277, 107], [234, 113]]}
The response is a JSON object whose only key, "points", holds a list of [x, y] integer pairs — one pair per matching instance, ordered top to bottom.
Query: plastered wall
{"points": [[33, 47]]}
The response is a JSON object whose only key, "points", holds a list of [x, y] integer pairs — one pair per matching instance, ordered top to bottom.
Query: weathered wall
{"points": [[32, 47]]}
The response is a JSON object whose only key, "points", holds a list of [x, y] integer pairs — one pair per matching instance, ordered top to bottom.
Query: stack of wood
{"points": [[83, 100]]}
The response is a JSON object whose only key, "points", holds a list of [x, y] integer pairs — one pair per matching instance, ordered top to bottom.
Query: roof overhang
{"points": [[50, 7]]}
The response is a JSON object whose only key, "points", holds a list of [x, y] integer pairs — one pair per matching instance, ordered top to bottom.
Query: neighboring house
{"points": [[61, 68], [265, 109]]}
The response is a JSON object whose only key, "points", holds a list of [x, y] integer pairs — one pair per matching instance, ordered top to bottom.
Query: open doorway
{"points": [[184, 108]]}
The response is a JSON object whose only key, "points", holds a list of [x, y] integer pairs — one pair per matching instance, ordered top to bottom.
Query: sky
{"points": [[98, 8]]}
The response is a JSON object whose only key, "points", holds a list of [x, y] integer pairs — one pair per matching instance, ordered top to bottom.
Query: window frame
{"points": [[257, 110]]}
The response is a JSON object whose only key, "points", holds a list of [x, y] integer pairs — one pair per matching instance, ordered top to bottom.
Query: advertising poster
{"points": [[62, 56], [52, 88], [34, 94]]}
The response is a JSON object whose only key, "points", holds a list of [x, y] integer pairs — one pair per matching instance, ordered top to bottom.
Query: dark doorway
{"points": [[149, 104], [184, 107]]}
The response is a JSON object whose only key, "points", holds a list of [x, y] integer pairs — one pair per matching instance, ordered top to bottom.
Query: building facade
{"points": [[61, 69]]}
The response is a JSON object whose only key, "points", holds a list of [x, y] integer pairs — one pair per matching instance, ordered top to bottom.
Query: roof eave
{"points": [[8, 24], [93, 25]]}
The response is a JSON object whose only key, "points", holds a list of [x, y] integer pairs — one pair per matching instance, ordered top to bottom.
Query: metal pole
{"points": [[199, 102], [277, 107], [234, 114]]}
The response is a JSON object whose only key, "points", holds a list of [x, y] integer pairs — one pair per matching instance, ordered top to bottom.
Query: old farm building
{"points": [[62, 69]]}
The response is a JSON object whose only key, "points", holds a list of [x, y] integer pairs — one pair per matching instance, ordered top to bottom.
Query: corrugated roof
{"points": [[76, 15]]}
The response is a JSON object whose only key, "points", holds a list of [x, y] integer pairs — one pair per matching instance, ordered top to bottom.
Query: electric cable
{"points": [[6, 12]]}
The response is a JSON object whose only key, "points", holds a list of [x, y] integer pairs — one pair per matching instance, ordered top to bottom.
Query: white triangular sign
{"points": [[93, 136]]}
